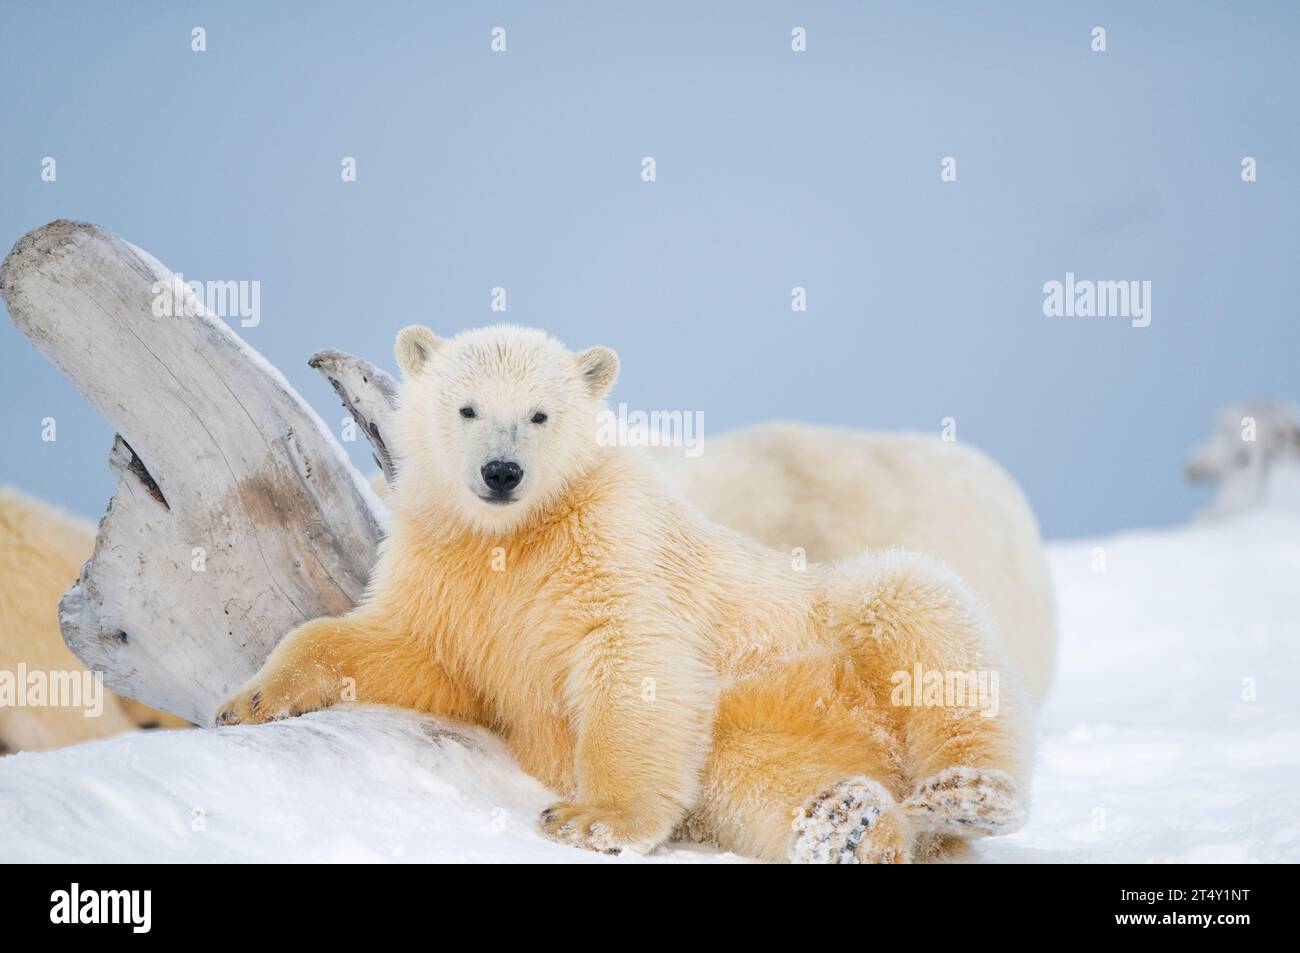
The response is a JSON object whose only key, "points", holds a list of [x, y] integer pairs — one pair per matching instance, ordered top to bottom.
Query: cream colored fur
{"points": [[830, 493], [833, 493], [41, 552], [663, 673]]}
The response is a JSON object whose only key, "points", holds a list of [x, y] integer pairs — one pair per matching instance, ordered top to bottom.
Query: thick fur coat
{"points": [[829, 494], [41, 552], [664, 674]]}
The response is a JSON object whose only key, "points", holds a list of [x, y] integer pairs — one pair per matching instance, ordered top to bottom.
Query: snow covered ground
{"points": [[1173, 734], [1150, 747]]}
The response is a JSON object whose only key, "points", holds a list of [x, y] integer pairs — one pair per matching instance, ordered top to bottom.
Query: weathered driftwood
{"points": [[368, 392], [237, 515]]}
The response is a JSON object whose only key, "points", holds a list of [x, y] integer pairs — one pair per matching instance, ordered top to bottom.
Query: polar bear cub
{"points": [[665, 675]]}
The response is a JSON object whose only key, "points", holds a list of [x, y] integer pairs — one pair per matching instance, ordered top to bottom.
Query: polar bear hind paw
{"points": [[967, 801], [854, 821]]}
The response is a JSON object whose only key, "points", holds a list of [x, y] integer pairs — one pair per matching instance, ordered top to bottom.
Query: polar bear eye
{"points": [[468, 412], [539, 418]]}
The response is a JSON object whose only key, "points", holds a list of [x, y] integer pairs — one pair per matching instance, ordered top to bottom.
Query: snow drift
{"points": [[1173, 734]]}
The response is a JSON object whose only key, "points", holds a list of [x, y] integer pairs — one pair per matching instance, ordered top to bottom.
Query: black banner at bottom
{"points": [[333, 904]]}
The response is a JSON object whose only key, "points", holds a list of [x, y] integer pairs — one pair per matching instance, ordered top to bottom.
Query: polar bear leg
{"points": [[907, 617], [350, 658], [795, 796]]}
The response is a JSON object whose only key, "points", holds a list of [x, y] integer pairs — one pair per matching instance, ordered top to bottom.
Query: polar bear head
{"points": [[498, 421]]}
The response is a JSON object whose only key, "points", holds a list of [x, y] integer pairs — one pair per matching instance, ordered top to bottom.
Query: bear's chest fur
{"points": [[507, 618]]}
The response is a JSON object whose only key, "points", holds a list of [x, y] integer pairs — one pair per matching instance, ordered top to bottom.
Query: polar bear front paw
{"points": [[270, 698], [966, 801], [854, 821], [606, 831]]}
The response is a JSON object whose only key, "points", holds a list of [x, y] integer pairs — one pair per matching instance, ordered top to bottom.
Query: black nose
{"points": [[502, 476]]}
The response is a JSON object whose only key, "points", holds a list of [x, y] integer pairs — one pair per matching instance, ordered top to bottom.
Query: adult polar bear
{"points": [[834, 492], [41, 551], [665, 673]]}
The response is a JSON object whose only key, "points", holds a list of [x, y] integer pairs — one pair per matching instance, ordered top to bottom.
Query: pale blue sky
{"points": [[775, 169]]}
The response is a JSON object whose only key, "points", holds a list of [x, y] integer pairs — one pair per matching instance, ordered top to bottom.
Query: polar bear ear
{"points": [[415, 345], [599, 367]]}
